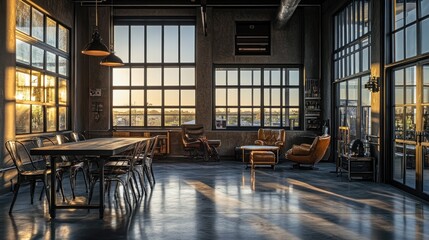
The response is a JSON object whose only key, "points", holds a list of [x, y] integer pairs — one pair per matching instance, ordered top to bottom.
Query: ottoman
{"points": [[262, 158]]}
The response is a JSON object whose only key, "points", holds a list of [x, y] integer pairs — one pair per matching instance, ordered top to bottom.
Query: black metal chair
{"points": [[77, 164], [147, 166], [60, 167], [26, 172]]}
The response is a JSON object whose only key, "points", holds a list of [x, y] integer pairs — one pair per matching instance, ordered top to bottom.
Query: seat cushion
{"points": [[262, 157]]}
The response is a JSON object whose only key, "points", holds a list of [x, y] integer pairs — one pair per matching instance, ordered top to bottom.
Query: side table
{"points": [[357, 167]]}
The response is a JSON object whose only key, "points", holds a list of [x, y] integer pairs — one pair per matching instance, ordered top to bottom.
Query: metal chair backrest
{"points": [[76, 137], [61, 139], [40, 142], [152, 147], [19, 152]]}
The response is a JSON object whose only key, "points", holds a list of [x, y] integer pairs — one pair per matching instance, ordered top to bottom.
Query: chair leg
{"points": [[32, 188], [15, 194]]}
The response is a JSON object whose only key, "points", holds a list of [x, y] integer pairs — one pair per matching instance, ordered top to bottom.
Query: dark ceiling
{"points": [[190, 3]]}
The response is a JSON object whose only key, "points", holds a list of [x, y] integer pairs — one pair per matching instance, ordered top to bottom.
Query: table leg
{"points": [[242, 154], [277, 159], [101, 188], [53, 202]]}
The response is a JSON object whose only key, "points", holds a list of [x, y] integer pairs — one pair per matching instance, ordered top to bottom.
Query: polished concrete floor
{"points": [[222, 200]]}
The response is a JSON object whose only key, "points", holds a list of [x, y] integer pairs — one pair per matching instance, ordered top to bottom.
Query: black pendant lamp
{"points": [[96, 47], [112, 60]]}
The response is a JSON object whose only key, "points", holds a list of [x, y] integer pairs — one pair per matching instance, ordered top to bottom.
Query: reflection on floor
{"points": [[222, 200]]}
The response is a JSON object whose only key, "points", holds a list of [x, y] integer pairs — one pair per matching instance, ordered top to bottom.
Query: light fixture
{"points": [[96, 47], [111, 60], [372, 85]]}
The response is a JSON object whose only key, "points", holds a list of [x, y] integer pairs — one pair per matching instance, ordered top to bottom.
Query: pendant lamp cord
{"points": [[96, 14]]}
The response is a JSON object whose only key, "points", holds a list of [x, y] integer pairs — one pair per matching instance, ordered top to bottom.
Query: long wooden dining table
{"points": [[102, 148]]}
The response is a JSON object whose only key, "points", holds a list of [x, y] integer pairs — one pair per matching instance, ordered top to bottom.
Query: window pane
{"points": [[424, 8], [399, 13], [411, 13], [23, 17], [37, 24], [51, 32], [424, 36], [63, 38], [411, 40], [154, 41], [137, 43], [121, 44], [171, 44], [187, 44], [399, 45], [22, 52], [37, 57], [51, 62], [63, 65], [121, 76], [137, 76], [171, 76], [187, 76], [220, 76], [154, 77], [232, 77], [246, 77], [293, 78], [23, 85], [36, 87], [50, 89], [62, 91], [352, 92], [293, 94], [366, 95], [121, 97], [137, 97], [154, 97], [171, 97], [220, 97], [232, 97], [245, 97], [256, 97], [275, 97], [187, 98], [220, 113], [121, 116], [137, 116], [188, 116], [154, 117], [171, 117], [232, 117], [246, 117], [37, 118], [51, 119], [22, 124]]}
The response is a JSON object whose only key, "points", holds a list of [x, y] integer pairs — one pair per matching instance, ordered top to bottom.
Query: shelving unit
{"points": [[312, 105]]}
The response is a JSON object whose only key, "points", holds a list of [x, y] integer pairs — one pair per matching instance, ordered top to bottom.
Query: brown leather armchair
{"points": [[271, 137], [195, 142], [309, 154]]}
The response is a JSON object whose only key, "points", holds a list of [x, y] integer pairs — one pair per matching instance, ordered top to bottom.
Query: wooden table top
{"points": [[95, 146]]}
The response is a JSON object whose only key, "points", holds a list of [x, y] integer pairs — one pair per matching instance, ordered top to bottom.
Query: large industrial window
{"points": [[410, 29], [352, 40], [42, 73], [156, 87], [255, 96]]}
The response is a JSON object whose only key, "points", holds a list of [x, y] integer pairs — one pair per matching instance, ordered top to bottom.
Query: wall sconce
{"points": [[372, 85]]}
